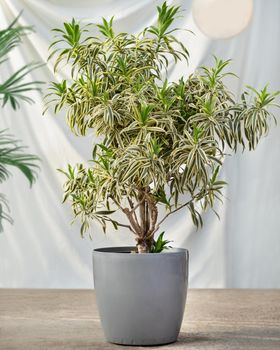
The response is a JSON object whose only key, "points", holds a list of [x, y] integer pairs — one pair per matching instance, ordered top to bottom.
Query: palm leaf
{"points": [[11, 37], [14, 89], [12, 154], [4, 211]]}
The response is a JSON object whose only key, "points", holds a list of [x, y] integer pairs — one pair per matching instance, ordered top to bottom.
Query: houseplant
{"points": [[13, 90], [161, 143]]}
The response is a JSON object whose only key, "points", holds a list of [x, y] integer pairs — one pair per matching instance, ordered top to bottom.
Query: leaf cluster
{"points": [[13, 91], [162, 141], [160, 244]]}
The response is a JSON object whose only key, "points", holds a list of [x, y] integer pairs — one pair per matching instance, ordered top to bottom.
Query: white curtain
{"points": [[43, 250]]}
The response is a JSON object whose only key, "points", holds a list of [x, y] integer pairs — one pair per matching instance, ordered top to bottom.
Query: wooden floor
{"points": [[68, 319]]}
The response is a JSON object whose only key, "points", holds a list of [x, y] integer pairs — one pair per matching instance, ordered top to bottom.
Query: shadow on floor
{"points": [[186, 338]]}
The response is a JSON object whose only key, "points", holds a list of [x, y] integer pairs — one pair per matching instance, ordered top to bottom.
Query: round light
{"points": [[221, 19]]}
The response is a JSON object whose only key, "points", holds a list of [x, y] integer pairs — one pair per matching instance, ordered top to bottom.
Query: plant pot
{"points": [[141, 297]]}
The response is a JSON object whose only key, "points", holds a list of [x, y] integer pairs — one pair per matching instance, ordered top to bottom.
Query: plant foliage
{"points": [[13, 91], [163, 142], [160, 244]]}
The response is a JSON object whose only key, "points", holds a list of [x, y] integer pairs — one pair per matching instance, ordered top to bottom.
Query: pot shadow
{"points": [[187, 338], [197, 339]]}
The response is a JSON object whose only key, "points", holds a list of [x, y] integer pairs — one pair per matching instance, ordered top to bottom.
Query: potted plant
{"points": [[160, 143]]}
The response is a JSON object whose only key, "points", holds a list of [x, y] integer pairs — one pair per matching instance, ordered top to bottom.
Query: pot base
{"points": [[156, 342]]}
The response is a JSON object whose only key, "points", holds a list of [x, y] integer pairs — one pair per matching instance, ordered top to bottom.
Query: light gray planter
{"points": [[140, 297]]}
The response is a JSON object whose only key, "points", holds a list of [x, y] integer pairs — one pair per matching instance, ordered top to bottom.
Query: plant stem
{"points": [[178, 208], [142, 211], [173, 211], [118, 223]]}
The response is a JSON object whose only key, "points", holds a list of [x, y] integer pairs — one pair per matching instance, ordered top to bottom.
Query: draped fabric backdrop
{"points": [[43, 250]]}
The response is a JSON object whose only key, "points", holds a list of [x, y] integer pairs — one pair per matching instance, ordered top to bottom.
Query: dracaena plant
{"points": [[162, 143]]}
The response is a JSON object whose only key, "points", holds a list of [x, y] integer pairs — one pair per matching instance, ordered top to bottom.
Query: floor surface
{"points": [[214, 319]]}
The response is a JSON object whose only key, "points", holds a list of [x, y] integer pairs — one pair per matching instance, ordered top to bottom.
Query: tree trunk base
{"points": [[143, 246]]}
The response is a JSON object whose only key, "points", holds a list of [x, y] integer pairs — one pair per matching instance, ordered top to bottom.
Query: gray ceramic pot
{"points": [[140, 297]]}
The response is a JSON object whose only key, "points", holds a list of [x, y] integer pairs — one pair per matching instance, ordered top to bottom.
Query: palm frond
{"points": [[11, 37], [15, 89], [12, 154], [4, 211]]}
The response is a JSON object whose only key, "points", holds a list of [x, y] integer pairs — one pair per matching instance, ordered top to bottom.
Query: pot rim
{"points": [[125, 250]]}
